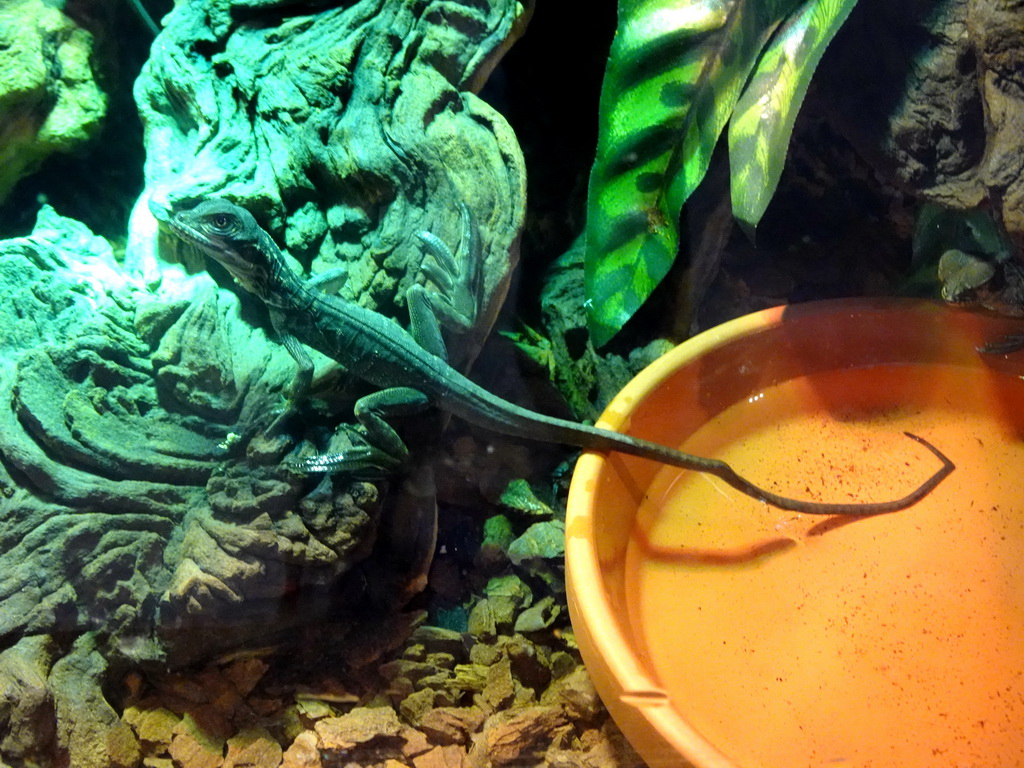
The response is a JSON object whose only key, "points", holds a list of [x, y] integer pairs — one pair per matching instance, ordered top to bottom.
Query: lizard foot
{"points": [[455, 276], [1004, 345], [349, 452], [360, 460]]}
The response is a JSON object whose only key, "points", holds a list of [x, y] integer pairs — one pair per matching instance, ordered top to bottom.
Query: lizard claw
{"points": [[443, 268], [1004, 345], [356, 459], [329, 463]]}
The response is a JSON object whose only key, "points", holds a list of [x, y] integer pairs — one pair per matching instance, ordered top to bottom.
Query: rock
{"points": [[49, 99], [940, 114], [129, 382], [116, 437], [521, 498], [134, 506], [498, 535], [541, 541], [507, 595], [539, 616], [481, 620], [568, 638], [373, 640], [440, 640], [484, 654], [442, 660], [562, 664], [528, 666], [245, 673], [412, 673], [470, 677], [186, 687], [500, 688], [576, 694], [416, 705], [262, 706], [313, 709], [27, 714], [211, 721], [451, 725], [87, 726], [153, 727], [359, 727], [519, 736], [415, 742], [193, 747], [253, 748], [597, 748], [304, 752], [560, 752], [624, 754], [442, 757]]}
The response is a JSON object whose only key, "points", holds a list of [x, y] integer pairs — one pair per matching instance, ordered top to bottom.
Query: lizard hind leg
{"points": [[455, 297], [380, 447], [356, 457]]}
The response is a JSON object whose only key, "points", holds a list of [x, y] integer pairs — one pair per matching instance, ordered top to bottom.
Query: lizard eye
{"points": [[222, 221]]}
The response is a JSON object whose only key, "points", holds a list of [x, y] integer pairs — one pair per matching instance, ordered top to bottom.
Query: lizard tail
{"points": [[531, 425]]}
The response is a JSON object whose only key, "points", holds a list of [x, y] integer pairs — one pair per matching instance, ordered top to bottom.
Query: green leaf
{"points": [[675, 72], [762, 123], [940, 229]]}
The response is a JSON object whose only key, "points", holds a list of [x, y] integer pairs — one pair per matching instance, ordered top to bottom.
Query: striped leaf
{"points": [[675, 71], [675, 74], [762, 123]]}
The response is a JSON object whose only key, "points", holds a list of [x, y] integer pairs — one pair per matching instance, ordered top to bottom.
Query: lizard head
{"points": [[230, 235], [965, 278]]}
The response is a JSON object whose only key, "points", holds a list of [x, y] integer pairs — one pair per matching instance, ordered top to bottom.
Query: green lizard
{"points": [[412, 368]]}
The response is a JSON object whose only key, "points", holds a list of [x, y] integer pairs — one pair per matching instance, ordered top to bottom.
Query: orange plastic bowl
{"points": [[725, 633]]}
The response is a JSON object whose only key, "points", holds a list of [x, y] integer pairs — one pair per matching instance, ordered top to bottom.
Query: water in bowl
{"points": [[793, 640]]}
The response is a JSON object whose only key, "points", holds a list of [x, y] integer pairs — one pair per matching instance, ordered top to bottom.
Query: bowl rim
{"points": [[626, 684]]}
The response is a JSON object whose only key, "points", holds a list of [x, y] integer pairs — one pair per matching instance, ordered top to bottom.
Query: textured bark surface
{"points": [[49, 98], [938, 106], [344, 130], [130, 513]]}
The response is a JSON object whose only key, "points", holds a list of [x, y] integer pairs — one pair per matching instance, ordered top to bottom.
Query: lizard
{"points": [[993, 283], [411, 366]]}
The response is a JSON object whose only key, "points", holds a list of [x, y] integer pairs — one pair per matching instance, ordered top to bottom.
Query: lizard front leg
{"points": [[300, 385]]}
